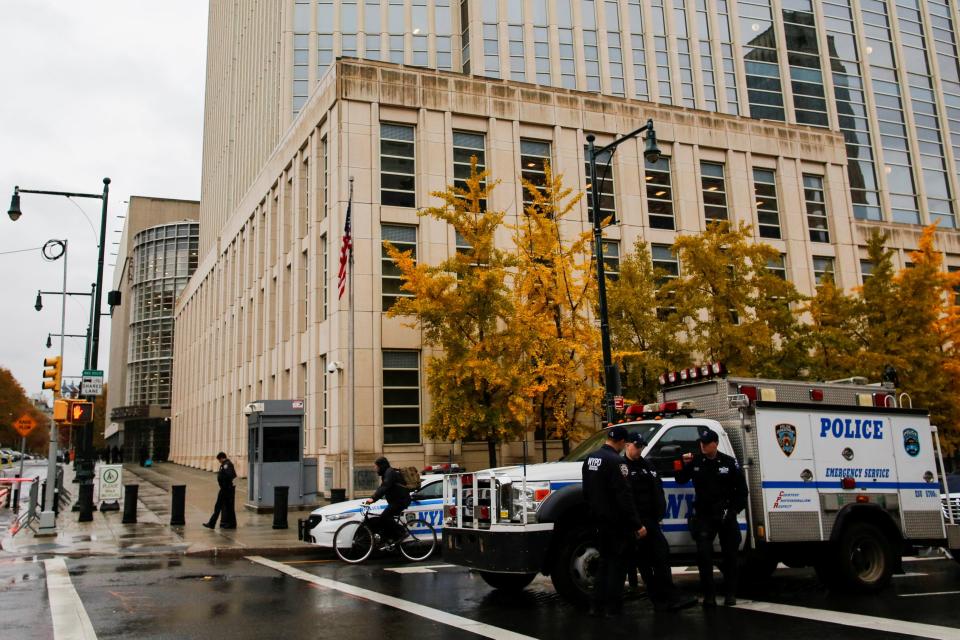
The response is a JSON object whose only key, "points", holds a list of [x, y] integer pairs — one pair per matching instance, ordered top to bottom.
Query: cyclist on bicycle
{"points": [[397, 496]]}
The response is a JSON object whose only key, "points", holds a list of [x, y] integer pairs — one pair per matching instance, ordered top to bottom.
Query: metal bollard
{"points": [[130, 494], [179, 496], [280, 507]]}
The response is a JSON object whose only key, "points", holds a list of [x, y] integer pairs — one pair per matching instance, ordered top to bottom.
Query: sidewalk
{"points": [[153, 535]]}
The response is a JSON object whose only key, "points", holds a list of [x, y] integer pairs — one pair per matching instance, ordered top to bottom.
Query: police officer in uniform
{"points": [[720, 494], [224, 508], [612, 510], [652, 551]]}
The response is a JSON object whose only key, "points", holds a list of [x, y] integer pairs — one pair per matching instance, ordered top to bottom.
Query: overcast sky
{"points": [[91, 89]]}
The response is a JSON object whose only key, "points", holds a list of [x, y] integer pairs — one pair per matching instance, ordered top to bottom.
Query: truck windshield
{"points": [[591, 444]]}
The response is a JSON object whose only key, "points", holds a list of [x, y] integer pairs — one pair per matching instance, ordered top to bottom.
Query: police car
{"points": [[840, 478], [320, 527]]}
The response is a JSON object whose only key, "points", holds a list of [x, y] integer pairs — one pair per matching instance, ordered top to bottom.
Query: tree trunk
{"points": [[492, 451]]}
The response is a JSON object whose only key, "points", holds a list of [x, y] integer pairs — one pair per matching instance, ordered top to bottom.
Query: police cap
{"points": [[617, 433], [708, 435], [636, 439]]}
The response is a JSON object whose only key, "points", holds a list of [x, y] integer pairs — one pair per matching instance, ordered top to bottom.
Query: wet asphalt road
{"points": [[238, 598]]}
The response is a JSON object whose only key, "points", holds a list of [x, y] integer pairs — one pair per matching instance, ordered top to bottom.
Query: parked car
{"points": [[320, 527]]}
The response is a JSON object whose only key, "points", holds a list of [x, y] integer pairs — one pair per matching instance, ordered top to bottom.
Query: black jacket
{"points": [[226, 474], [719, 485], [392, 488], [606, 490], [647, 490]]}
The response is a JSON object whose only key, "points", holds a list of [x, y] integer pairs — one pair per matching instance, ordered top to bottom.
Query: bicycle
{"points": [[355, 541]]}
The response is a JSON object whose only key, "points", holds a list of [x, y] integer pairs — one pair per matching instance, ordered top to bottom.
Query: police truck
{"points": [[842, 477]]}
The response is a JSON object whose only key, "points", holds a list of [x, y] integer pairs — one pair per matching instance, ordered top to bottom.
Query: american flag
{"points": [[346, 247]]}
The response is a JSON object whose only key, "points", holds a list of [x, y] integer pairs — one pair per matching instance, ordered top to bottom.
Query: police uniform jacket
{"points": [[226, 474], [719, 484], [606, 489], [647, 490]]}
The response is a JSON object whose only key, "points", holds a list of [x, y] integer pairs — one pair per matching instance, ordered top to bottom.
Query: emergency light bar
{"points": [[692, 374]]}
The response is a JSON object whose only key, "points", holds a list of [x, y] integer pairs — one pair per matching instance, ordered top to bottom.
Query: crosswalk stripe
{"points": [[70, 619], [449, 619], [876, 623]]}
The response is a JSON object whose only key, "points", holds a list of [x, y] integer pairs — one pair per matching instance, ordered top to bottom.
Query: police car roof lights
{"points": [[692, 374], [660, 411]]}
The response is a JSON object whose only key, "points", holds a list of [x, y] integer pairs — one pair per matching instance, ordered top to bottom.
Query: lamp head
{"points": [[652, 152], [14, 210], [38, 305]]}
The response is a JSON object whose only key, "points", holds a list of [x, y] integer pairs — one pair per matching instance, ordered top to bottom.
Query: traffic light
{"points": [[52, 374], [60, 410], [80, 412]]}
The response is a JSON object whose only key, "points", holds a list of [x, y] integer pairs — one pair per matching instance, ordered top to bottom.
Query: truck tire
{"points": [[864, 559], [576, 564], [757, 567], [507, 581]]}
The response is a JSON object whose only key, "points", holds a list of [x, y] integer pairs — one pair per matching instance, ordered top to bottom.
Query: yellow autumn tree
{"points": [[554, 296], [465, 309], [736, 309], [644, 330]]}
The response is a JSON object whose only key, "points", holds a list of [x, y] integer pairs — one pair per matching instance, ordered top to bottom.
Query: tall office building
{"points": [[816, 123]]}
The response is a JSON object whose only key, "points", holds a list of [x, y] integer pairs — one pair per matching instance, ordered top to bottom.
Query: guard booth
{"points": [[275, 447]]}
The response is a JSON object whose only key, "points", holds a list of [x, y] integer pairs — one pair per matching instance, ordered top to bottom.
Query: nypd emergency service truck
{"points": [[840, 478]]}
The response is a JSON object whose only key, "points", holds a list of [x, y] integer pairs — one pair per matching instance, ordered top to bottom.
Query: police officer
{"points": [[720, 494], [224, 508], [612, 510], [652, 551]]}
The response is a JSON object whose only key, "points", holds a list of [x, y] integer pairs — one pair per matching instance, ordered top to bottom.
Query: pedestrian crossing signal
{"points": [[80, 412]]}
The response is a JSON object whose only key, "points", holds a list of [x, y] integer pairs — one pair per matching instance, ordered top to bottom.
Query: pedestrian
{"points": [[720, 493], [398, 499], [224, 507], [611, 508], [651, 553]]}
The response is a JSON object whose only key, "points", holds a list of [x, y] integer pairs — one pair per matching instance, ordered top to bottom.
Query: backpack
{"points": [[409, 478]]}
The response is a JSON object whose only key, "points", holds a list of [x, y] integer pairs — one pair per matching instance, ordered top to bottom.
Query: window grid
{"points": [[945, 46], [614, 47], [491, 50], [661, 51], [541, 52], [726, 52], [803, 56], [685, 59], [761, 63], [568, 65], [709, 82], [640, 88], [466, 146], [534, 156], [397, 165], [714, 186], [604, 188], [659, 193], [816, 208], [768, 209], [404, 238], [611, 259], [664, 259], [822, 265], [778, 266], [401, 397]]}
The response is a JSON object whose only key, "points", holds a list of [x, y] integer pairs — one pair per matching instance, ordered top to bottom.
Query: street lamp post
{"points": [[611, 373], [85, 470]]}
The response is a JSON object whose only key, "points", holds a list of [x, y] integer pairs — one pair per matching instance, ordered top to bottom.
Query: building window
{"points": [[443, 25], [465, 36], [491, 47], [614, 47], [638, 49], [662, 51], [541, 52], [803, 55], [517, 59], [591, 60], [760, 60], [568, 64], [301, 68], [466, 147], [534, 157], [397, 165], [323, 182], [604, 186], [714, 191], [659, 193], [816, 208], [768, 210], [404, 238], [611, 259], [664, 259], [822, 265], [778, 266], [866, 270], [323, 273], [401, 397], [323, 412]]}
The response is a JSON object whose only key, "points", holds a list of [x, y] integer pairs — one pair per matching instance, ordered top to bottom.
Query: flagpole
{"points": [[351, 364]]}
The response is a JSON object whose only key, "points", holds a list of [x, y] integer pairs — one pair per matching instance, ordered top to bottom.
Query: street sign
{"points": [[92, 382], [618, 403], [24, 425], [111, 481]]}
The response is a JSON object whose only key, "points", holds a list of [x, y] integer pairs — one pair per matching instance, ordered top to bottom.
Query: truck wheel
{"points": [[864, 558], [576, 565], [757, 567], [507, 581]]}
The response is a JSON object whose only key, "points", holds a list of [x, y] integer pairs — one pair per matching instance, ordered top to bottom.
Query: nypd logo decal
{"points": [[786, 438], [911, 442]]}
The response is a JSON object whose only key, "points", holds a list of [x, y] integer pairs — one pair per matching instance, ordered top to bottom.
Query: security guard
{"points": [[720, 494], [612, 510], [652, 551]]}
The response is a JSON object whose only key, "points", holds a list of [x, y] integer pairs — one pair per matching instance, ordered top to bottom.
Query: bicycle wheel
{"points": [[419, 541], [353, 542]]}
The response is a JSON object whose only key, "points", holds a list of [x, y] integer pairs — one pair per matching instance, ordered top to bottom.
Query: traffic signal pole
{"points": [[48, 517]]}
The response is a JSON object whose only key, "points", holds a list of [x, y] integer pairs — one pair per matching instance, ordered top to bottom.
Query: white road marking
{"points": [[432, 568], [910, 575], [929, 593], [70, 619], [854, 620], [479, 628]]}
